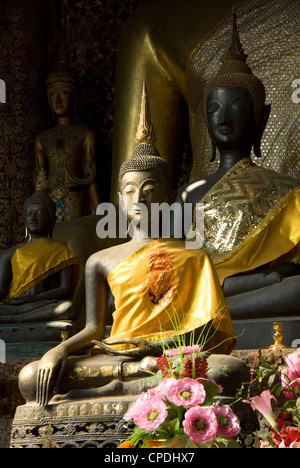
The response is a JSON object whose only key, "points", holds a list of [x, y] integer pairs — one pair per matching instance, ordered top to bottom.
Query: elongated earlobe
{"points": [[264, 116], [213, 152]]}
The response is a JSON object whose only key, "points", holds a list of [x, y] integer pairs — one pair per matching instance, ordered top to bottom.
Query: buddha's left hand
{"points": [[24, 300]]}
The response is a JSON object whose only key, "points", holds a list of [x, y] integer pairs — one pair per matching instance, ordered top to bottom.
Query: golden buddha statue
{"points": [[176, 47], [66, 152], [38, 275], [157, 296]]}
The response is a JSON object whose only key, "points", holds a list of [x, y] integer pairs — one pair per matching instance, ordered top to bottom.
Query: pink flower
{"points": [[183, 350], [293, 361], [290, 377], [289, 381], [161, 390], [187, 393], [263, 405], [133, 409], [152, 414], [228, 422], [200, 424], [295, 444]]}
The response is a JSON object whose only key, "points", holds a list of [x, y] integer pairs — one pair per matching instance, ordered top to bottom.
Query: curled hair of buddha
{"points": [[234, 72], [145, 155], [41, 197]]}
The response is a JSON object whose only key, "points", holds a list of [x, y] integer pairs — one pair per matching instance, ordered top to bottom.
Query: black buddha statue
{"points": [[251, 214], [37, 276]]}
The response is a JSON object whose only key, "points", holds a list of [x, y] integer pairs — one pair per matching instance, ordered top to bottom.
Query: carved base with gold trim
{"points": [[96, 423]]}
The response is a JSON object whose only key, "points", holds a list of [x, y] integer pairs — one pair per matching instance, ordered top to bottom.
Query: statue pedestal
{"points": [[95, 423]]}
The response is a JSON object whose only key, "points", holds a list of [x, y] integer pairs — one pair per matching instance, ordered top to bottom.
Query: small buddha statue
{"points": [[66, 152], [251, 214], [38, 275], [157, 297]]}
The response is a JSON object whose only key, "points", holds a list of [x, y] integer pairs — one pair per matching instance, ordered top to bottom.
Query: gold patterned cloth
{"points": [[269, 31], [251, 218], [36, 261], [163, 290]]}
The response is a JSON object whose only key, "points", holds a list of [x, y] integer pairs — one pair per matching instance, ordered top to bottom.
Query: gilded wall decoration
{"points": [[93, 29]]}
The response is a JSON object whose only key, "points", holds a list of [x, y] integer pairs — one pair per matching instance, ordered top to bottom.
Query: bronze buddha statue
{"points": [[66, 152], [251, 217], [38, 275], [150, 280]]}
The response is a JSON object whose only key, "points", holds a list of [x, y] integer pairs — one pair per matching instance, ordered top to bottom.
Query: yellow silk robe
{"points": [[36, 261], [164, 289]]}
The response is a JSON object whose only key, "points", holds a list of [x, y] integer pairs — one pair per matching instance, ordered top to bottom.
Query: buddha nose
{"points": [[58, 99], [224, 115], [140, 196]]}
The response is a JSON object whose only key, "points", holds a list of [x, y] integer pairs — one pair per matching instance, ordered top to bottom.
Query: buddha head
{"points": [[62, 86], [234, 102], [146, 177], [39, 213]]}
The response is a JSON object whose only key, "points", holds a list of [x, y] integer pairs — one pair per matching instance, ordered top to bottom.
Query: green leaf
{"points": [[211, 391]]}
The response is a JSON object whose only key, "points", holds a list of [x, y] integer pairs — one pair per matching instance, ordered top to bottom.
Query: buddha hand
{"points": [[141, 347], [50, 372]]}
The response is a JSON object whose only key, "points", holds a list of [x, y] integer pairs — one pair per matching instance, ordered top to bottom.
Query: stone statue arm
{"points": [[89, 164], [5, 274], [239, 284], [61, 292], [53, 363]]}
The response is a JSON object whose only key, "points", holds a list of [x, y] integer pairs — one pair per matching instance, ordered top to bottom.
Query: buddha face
{"points": [[61, 98], [230, 116], [141, 187], [36, 219]]}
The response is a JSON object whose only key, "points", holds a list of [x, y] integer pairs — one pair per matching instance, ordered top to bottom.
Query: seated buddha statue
{"points": [[176, 46], [66, 152], [251, 214], [38, 275], [157, 297]]}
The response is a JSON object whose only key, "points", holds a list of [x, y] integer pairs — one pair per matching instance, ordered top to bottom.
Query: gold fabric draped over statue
{"points": [[251, 218], [36, 261], [164, 297]]}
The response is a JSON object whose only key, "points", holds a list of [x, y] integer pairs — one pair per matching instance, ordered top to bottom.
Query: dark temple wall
{"points": [[27, 31]]}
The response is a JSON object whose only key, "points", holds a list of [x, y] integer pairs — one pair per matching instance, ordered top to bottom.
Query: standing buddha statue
{"points": [[66, 152]]}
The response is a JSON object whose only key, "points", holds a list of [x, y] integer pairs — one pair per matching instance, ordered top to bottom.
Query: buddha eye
{"points": [[239, 104], [213, 107], [147, 189], [129, 190]]}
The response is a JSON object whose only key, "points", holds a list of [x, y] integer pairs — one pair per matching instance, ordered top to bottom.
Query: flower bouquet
{"points": [[182, 410], [284, 429]]}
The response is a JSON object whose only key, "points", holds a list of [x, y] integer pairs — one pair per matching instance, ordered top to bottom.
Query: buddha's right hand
{"points": [[50, 371]]}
